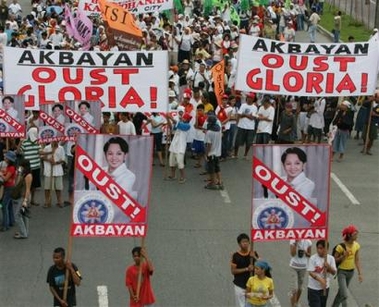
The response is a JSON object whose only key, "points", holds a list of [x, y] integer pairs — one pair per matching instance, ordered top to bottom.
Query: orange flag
{"points": [[121, 27], [218, 75]]}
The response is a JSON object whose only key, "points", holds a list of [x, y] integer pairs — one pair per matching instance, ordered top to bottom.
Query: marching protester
{"points": [[300, 251], [348, 257], [242, 267], [321, 268], [56, 276], [144, 295]]}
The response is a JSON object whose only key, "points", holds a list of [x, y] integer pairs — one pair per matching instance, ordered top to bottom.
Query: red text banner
{"points": [[302, 69], [122, 81], [111, 185], [108, 186], [287, 194], [290, 195]]}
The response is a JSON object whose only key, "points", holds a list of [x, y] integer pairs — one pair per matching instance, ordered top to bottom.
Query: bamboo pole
{"points": [[139, 280]]}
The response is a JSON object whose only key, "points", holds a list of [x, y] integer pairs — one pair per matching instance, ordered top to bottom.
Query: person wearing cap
{"points": [[254, 29], [289, 32], [185, 74], [201, 76], [172, 102], [265, 115], [246, 117], [344, 120], [180, 126], [213, 144], [30, 148], [8, 177], [349, 260], [321, 268], [260, 287]]}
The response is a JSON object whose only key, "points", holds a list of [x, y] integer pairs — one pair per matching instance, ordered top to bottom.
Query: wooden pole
{"points": [[368, 128], [67, 273], [139, 281]]}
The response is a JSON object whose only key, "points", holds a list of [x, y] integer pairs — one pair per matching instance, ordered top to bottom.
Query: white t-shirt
{"points": [[245, 122], [263, 125], [126, 128], [214, 138], [297, 262], [316, 265]]}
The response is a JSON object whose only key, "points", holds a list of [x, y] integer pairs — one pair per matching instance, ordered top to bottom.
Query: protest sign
{"points": [[92, 8], [78, 26], [122, 29], [301, 69], [218, 76], [123, 81], [12, 116], [82, 117], [52, 123], [112, 185], [290, 192]]}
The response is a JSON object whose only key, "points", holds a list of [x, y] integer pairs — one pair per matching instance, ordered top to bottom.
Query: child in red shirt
{"points": [[146, 295]]}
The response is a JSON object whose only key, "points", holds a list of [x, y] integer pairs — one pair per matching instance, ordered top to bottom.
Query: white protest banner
{"points": [[92, 8], [302, 69], [123, 81], [12, 116], [112, 185], [290, 192]]}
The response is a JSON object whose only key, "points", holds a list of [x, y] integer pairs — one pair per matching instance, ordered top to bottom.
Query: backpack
{"points": [[335, 251]]}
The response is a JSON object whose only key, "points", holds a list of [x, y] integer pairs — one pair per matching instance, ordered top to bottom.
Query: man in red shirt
{"points": [[146, 296]]}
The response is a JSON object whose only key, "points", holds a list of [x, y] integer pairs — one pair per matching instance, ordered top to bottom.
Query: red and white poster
{"points": [[305, 69], [123, 81], [12, 116], [82, 117], [52, 122], [112, 185], [290, 192]]}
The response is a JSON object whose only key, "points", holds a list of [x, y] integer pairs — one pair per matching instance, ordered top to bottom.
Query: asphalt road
{"points": [[192, 233]]}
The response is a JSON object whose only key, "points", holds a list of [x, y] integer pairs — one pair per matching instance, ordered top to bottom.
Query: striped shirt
{"points": [[31, 153]]}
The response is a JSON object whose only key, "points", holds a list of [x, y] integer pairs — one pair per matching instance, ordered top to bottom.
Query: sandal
{"points": [[197, 166], [170, 178], [211, 187], [45, 206], [18, 236]]}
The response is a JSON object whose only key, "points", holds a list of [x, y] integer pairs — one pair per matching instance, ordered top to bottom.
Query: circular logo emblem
{"points": [[3, 126], [73, 130], [47, 132], [93, 208], [273, 215]]}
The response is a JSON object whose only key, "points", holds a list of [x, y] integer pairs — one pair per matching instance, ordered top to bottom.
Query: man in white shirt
{"points": [[313, 21], [266, 115], [246, 117], [316, 120], [53, 159], [320, 272]]}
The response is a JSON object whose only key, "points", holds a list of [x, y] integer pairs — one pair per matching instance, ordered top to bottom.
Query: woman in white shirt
{"points": [[115, 151], [294, 160]]}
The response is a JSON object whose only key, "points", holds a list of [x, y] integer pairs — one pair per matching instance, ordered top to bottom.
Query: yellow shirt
{"points": [[349, 262], [258, 288]]}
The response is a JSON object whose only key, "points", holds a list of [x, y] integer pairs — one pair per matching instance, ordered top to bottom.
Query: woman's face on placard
{"points": [[7, 104], [83, 109], [114, 156], [293, 166]]}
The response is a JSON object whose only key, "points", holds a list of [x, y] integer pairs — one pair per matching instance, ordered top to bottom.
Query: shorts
{"points": [[316, 132], [372, 134], [245, 137], [157, 141], [198, 147], [176, 159], [213, 165], [36, 181], [57, 183], [298, 276]]}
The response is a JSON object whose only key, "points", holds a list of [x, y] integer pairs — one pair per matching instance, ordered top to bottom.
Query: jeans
{"points": [[300, 22], [312, 33], [336, 36], [232, 137], [340, 139], [225, 144], [7, 209], [21, 220], [344, 278], [316, 298]]}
